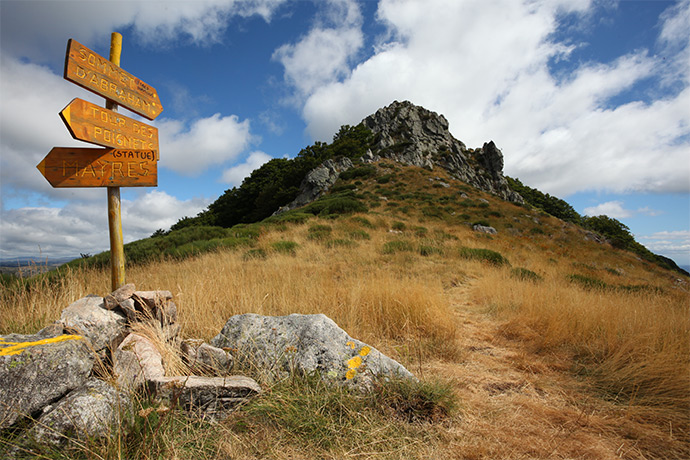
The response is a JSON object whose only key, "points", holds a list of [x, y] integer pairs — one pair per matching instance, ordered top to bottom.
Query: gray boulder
{"points": [[318, 181], [484, 229], [90, 318], [278, 345], [36, 371], [92, 411]]}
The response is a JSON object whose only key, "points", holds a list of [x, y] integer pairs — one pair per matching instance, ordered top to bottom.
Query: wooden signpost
{"points": [[101, 76], [90, 123], [133, 159], [83, 167]]}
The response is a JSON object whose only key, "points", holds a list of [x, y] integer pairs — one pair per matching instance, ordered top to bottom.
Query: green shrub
{"points": [[360, 172], [384, 179], [341, 188], [343, 203], [432, 211], [290, 217], [363, 221], [397, 225], [245, 231], [420, 231], [319, 232], [359, 234], [340, 242], [285, 246], [397, 246], [426, 250], [257, 253], [484, 255], [524, 274], [588, 282]]}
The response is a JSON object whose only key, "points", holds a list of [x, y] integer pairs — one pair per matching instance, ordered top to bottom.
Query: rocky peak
{"points": [[413, 135]]}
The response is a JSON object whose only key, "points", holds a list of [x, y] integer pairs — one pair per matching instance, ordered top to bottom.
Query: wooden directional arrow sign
{"points": [[96, 73], [91, 123], [80, 167]]}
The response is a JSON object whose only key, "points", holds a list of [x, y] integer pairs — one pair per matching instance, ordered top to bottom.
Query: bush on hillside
{"points": [[484, 255]]}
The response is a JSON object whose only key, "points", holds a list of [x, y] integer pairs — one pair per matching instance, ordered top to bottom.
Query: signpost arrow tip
{"points": [[42, 167]]}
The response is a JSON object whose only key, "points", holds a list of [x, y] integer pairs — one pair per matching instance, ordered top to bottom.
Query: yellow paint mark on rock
{"points": [[16, 348]]}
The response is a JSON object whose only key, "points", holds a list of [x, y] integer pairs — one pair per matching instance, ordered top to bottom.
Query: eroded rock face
{"points": [[413, 135], [318, 181], [278, 345], [35, 371], [94, 410]]}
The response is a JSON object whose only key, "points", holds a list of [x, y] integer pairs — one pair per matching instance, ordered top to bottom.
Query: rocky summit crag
{"points": [[414, 136]]}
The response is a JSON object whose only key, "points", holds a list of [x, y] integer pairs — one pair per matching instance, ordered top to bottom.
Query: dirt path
{"points": [[518, 405]]}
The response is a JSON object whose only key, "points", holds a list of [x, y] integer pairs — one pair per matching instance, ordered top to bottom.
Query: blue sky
{"points": [[588, 100]]}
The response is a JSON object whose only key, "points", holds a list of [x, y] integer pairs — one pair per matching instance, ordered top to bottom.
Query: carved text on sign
{"points": [[95, 73], [91, 123], [79, 167]]}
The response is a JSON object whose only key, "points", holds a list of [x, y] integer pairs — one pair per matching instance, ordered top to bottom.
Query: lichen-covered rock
{"points": [[89, 317], [278, 345], [136, 361], [36, 371], [211, 397], [94, 410]]}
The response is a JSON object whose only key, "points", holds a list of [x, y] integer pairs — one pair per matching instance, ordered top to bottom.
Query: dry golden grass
{"points": [[552, 371]]}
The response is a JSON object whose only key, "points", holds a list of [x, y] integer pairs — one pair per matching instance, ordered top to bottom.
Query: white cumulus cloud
{"points": [[325, 52], [486, 67], [207, 142], [610, 208], [82, 227]]}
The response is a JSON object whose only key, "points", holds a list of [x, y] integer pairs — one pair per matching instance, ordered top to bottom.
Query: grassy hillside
{"points": [[536, 342]]}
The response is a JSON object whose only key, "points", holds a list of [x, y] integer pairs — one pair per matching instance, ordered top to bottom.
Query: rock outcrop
{"points": [[413, 135], [318, 181], [278, 345]]}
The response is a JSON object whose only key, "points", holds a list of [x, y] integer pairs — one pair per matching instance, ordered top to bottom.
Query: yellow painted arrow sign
{"points": [[97, 74], [90, 123], [84, 167]]}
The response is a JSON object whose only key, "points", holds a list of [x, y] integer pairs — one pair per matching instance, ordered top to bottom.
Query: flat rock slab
{"points": [[278, 345], [36, 371], [211, 397], [93, 411]]}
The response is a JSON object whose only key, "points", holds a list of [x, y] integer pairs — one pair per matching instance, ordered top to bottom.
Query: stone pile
{"points": [[76, 377]]}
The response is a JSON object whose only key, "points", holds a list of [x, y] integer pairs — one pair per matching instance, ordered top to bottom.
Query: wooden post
{"points": [[117, 252]]}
